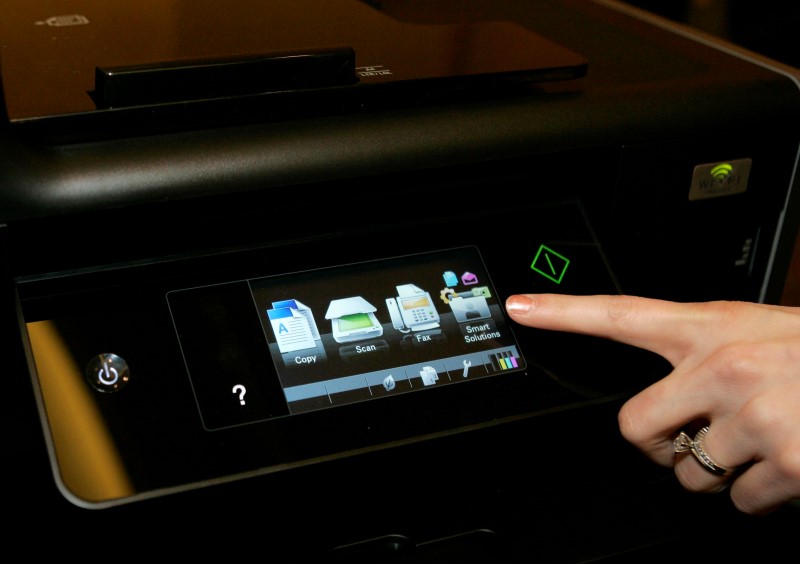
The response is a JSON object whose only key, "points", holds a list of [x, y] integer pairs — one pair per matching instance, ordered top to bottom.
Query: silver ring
{"points": [[683, 444]]}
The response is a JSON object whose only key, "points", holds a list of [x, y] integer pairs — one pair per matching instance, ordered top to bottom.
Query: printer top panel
{"points": [[50, 53], [645, 84]]}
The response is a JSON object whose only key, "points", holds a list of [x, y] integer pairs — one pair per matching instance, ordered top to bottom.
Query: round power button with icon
{"points": [[107, 373]]}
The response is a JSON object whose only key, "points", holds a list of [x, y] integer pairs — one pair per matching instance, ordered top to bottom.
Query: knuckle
{"points": [[726, 307], [619, 309], [729, 313], [738, 363], [761, 415], [633, 417], [629, 424], [788, 463]]}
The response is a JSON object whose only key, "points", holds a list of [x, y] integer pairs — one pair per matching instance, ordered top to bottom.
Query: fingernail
{"points": [[519, 304]]}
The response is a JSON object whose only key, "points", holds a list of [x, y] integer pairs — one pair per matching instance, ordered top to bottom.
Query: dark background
{"points": [[768, 27]]}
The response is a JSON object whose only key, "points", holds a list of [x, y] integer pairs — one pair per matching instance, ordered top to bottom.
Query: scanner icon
{"points": [[353, 319]]}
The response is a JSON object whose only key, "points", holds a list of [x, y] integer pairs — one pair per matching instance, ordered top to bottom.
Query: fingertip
{"points": [[519, 304]]}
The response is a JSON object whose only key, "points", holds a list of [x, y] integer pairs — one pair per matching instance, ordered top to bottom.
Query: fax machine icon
{"points": [[412, 309]]}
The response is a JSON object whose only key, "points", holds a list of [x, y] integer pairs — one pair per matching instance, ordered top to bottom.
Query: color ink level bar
{"points": [[504, 361]]}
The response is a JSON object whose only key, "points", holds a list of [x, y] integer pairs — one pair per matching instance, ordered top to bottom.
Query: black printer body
{"points": [[225, 329]]}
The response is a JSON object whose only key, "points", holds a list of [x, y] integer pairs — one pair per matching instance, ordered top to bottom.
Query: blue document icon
{"points": [[302, 309], [293, 325]]}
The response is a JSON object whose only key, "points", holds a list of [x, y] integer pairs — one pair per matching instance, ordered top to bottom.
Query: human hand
{"points": [[736, 369]]}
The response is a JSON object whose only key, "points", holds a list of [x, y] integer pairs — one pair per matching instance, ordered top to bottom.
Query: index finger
{"points": [[663, 327]]}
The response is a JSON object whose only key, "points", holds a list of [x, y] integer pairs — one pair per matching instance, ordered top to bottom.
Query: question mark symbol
{"points": [[241, 390]]}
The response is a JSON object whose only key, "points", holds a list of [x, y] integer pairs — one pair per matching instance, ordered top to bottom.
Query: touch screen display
{"points": [[283, 345]]}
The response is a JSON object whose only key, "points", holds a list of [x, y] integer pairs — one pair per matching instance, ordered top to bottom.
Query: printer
{"points": [[255, 257]]}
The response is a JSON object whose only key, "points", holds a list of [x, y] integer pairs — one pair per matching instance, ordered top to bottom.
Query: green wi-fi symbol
{"points": [[721, 171]]}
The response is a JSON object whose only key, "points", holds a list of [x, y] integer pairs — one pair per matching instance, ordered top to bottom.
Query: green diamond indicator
{"points": [[550, 264]]}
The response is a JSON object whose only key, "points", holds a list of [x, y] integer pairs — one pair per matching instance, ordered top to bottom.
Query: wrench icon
{"points": [[467, 364]]}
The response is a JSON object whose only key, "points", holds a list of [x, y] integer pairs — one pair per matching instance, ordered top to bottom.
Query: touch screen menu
{"points": [[283, 345]]}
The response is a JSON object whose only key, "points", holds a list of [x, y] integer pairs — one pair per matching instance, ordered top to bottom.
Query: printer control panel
{"points": [[205, 369]]}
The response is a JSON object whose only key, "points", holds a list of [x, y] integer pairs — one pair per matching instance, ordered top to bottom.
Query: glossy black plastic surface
{"points": [[196, 52]]}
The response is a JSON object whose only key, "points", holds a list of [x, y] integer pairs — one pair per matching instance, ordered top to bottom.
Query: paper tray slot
{"points": [[220, 78]]}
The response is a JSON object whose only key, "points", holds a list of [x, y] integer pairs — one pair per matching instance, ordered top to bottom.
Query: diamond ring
{"points": [[683, 444]]}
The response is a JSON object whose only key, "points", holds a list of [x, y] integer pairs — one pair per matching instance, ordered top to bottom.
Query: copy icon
{"points": [[303, 310], [291, 328], [429, 375]]}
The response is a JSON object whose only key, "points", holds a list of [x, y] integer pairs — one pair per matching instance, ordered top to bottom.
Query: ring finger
{"points": [[707, 461]]}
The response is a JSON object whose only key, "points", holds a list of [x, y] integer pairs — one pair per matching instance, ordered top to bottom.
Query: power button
{"points": [[107, 373]]}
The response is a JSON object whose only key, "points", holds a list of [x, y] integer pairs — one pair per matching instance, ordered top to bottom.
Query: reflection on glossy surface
{"points": [[89, 466]]}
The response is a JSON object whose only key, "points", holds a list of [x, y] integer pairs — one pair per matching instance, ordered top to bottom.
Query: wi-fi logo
{"points": [[721, 171]]}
